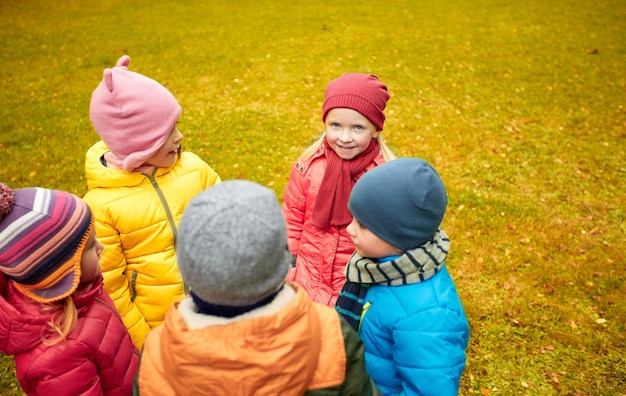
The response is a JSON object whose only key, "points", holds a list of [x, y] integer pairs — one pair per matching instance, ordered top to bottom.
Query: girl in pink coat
{"points": [[315, 202], [55, 317]]}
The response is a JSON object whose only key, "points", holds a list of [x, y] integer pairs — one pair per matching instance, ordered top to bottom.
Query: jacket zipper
{"points": [[168, 212], [133, 286], [366, 306]]}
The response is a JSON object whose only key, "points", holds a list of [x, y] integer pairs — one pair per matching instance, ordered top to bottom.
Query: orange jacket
{"points": [[321, 255], [301, 347]]}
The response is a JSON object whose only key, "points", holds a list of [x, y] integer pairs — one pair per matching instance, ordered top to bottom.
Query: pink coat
{"points": [[321, 255], [97, 357]]}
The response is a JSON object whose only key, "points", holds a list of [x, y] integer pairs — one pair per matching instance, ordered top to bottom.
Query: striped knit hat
{"points": [[364, 93], [42, 236]]}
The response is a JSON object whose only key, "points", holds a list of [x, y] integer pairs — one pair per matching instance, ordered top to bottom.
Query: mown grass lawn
{"points": [[521, 106]]}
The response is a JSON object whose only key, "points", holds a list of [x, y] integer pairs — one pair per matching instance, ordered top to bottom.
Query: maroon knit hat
{"points": [[364, 93]]}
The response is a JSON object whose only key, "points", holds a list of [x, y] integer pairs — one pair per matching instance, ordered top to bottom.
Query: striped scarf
{"points": [[414, 266]]}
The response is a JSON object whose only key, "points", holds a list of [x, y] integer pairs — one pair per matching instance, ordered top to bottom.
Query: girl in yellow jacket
{"points": [[139, 182], [243, 330]]}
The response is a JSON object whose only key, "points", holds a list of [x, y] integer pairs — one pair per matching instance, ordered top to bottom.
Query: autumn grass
{"points": [[520, 106]]}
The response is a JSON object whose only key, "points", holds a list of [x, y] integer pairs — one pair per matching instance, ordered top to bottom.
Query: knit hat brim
{"points": [[357, 103]]}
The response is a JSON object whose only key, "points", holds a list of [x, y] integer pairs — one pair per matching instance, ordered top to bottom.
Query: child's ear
{"points": [[398, 251]]}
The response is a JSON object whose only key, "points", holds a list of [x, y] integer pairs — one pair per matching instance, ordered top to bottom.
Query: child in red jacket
{"points": [[315, 202], [55, 317]]}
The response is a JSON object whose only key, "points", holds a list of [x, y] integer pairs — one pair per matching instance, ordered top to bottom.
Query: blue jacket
{"points": [[415, 337]]}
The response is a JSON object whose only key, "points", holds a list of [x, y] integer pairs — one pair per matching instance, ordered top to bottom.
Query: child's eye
{"points": [[334, 125], [358, 127]]}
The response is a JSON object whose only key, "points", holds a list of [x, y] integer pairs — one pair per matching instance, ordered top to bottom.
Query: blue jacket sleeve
{"points": [[429, 351]]}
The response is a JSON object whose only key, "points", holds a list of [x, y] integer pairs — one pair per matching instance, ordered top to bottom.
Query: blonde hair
{"points": [[388, 155], [64, 318]]}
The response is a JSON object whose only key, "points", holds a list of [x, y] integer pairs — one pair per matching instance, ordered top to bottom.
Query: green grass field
{"points": [[521, 107]]}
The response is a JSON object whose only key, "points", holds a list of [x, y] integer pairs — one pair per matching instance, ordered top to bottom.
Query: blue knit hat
{"points": [[402, 201], [232, 244]]}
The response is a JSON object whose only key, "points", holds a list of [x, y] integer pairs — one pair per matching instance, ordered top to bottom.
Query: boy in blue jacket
{"points": [[399, 295]]}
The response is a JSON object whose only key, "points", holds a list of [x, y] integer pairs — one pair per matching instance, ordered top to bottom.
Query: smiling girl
{"points": [[139, 182], [316, 196]]}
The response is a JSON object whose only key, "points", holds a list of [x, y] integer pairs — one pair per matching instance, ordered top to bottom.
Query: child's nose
{"points": [[345, 135], [179, 136], [350, 228], [99, 248]]}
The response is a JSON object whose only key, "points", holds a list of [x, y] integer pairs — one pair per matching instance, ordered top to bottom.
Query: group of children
{"points": [[165, 280]]}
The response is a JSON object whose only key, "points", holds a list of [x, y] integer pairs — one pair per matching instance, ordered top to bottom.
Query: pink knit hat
{"points": [[361, 92], [133, 115], [43, 234]]}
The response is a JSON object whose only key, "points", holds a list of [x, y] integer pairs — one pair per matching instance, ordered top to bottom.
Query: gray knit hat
{"points": [[402, 201], [232, 244]]}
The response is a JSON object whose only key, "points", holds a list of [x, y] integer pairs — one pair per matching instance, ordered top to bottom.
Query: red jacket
{"points": [[321, 255], [97, 357]]}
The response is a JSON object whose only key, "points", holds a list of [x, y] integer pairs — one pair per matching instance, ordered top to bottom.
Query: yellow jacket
{"points": [[136, 217], [294, 347]]}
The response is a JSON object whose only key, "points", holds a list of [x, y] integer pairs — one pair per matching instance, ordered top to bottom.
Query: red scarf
{"points": [[331, 204]]}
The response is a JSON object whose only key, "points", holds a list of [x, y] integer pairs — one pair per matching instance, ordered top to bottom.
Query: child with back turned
{"points": [[139, 182], [316, 195], [399, 295], [55, 317], [243, 330]]}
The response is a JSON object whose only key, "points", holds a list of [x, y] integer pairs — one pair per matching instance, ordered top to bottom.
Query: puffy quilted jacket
{"points": [[136, 217], [321, 255], [415, 337], [301, 348], [97, 357]]}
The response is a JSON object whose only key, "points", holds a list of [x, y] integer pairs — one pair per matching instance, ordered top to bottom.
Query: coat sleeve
{"points": [[212, 177], [294, 208], [113, 265], [429, 352], [357, 381]]}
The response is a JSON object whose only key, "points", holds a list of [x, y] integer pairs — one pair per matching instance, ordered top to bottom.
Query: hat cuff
{"points": [[357, 103]]}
